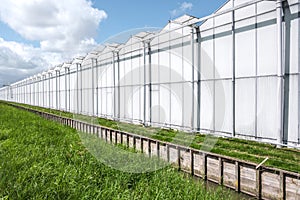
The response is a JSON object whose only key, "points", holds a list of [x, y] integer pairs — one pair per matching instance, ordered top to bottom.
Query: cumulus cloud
{"points": [[182, 9], [58, 25], [64, 29], [18, 61]]}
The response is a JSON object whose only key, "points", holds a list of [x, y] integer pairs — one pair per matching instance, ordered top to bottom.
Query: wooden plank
{"points": [[131, 141], [138, 144], [153, 145], [163, 152], [173, 155], [185, 157], [197, 164], [212, 169], [229, 174], [247, 180], [270, 185], [292, 186]]}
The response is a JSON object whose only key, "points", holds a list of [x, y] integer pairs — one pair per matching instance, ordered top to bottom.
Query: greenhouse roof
{"points": [[185, 19]]}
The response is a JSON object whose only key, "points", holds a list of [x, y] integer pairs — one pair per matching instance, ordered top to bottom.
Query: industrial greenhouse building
{"points": [[234, 73]]}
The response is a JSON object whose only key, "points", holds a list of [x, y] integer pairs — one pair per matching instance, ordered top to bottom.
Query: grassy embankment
{"points": [[283, 158], [41, 159]]}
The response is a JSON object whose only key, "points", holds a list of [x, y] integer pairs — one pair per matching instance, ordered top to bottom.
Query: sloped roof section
{"points": [[185, 20]]}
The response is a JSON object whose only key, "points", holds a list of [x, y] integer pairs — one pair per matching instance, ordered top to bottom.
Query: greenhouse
{"points": [[234, 73]]}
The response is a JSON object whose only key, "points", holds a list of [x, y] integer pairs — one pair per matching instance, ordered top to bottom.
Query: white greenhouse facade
{"points": [[233, 73]]}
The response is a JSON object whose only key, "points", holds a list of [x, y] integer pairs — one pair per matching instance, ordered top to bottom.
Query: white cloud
{"points": [[182, 9], [58, 25], [64, 29], [19, 61]]}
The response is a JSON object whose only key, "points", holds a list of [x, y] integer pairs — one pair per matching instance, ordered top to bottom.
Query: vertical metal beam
{"points": [[131, 63], [80, 66], [233, 71], [256, 72], [280, 73], [170, 76], [214, 77], [298, 77], [193, 79], [198, 79], [114, 82], [182, 84], [150, 85], [145, 86], [93, 88], [49, 89], [56, 89], [77, 89], [44, 90], [69, 90], [33, 91], [38, 91], [66, 91], [118, 91], [56, 92], [97, 95]]}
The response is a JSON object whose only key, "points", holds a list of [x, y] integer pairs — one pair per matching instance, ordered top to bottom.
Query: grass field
{"points": [[283, 158], [41, 159]]}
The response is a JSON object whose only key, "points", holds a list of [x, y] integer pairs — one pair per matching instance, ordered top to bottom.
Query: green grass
{"points": [[283, 158], [41, 159]]}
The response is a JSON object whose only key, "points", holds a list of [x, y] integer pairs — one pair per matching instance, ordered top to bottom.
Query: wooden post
{"points": [[121, 133], [110, 136], [116, 137], [127, 140], [134, 143], [142, 146], [149, 148], [157, 149], [168, 152], [179, 158], [192, 162], [204, 162], [221, 171], [237, 176], [258, 183], [282, 194]]}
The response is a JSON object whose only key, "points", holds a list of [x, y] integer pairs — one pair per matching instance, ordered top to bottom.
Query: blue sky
{"points": [[152, 13], [36, 35]]}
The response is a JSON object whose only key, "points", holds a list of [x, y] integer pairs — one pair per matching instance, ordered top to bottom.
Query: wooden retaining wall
{"points": [[242, 176]]}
